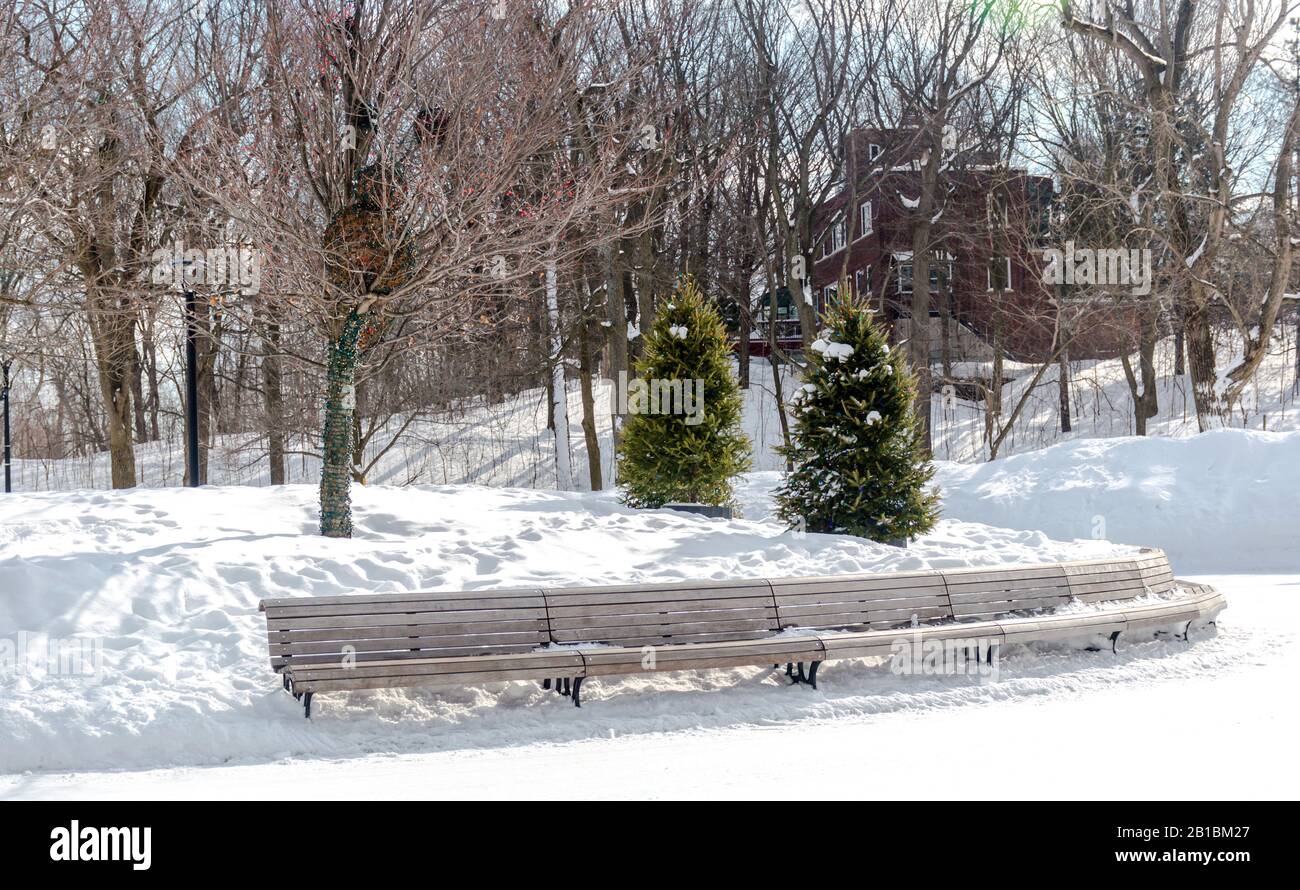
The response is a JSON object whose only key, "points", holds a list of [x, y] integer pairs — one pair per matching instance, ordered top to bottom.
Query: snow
{"points": [[909, 203], [832, 351], [1221, 501], [168, 582], [1216, 714]]}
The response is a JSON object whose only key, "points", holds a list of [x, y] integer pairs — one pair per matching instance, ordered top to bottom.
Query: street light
{"points": [[178, 267], [191, 387], [4, 392]]}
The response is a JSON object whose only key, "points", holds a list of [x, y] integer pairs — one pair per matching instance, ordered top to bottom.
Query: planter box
{"points": [[703, 510]]}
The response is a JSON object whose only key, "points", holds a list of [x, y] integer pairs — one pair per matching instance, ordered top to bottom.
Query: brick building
{"points": [[986, 263]]}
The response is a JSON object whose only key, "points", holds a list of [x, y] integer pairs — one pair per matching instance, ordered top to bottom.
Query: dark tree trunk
{"points": [[1200, 360], [586, 361], [1063, 382], [273, 392], [336, 470]]}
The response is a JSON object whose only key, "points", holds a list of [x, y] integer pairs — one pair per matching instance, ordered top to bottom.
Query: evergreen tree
{"points": [[682, 441], [859, 461]]}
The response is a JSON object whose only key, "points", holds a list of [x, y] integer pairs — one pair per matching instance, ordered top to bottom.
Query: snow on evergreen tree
{"points": [[683, 440], [859, 462]]}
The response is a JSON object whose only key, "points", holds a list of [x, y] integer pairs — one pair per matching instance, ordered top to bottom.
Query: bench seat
{"points": [[613, 660]]}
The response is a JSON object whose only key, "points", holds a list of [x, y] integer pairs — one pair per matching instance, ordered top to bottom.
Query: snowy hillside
{"points": [[1220, 501], [170, 581]]}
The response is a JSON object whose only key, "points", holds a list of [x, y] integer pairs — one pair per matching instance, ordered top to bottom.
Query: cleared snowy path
{"points": [[1147, 720]]}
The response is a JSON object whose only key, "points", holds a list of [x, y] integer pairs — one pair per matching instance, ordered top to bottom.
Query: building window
{"points": [[873, 151], [995, 209], [864, 219], [834, 239], [941, 263], [1000, 273], [905, 278], [862, 281], [828, 295]]}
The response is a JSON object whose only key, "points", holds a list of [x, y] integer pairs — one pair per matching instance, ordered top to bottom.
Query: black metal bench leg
{"points": [[1186, 632], [1114, 642], [812, 673], [800, 677], [546, 684], [567, 688], [577, 692], [306, 705]]}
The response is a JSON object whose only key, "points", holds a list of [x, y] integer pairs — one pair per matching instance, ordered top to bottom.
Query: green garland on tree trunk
{"points": [[336, 467]]}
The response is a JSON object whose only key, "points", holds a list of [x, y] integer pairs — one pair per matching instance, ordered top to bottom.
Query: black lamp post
{"points": [[191, 388], [4, 391]]}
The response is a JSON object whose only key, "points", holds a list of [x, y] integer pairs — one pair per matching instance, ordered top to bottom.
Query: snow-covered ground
{"points": [[169, 581], [166, 583], [1213, 719]]}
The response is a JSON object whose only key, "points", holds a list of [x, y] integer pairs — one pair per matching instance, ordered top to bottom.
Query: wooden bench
{"points": [[562, 636], [376, 641]]}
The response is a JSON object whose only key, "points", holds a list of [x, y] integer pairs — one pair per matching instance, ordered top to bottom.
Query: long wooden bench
{"points": [[563, 636]]}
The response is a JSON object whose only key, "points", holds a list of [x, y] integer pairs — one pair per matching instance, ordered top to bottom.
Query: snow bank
{"points": [[1222, 501], [167, 583]]}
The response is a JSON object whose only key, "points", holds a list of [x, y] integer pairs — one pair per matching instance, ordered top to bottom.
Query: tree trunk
{"points": [[802, 296], [645, 302], [616, 315], [746, 323], [114, 342], [919, 342], [1200, 360], [1063, 383], [207, 386], [777, 387], [273, 392], [137, 395], [559, 397], [340, 401], [1145, 405], [589, 407], [358, 438]]}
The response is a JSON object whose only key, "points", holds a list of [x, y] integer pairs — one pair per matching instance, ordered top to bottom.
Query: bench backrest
{"points": [[1101, 580], [983, 593], [865, 601], [872, 601], [650, 614], [316, 630]]}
